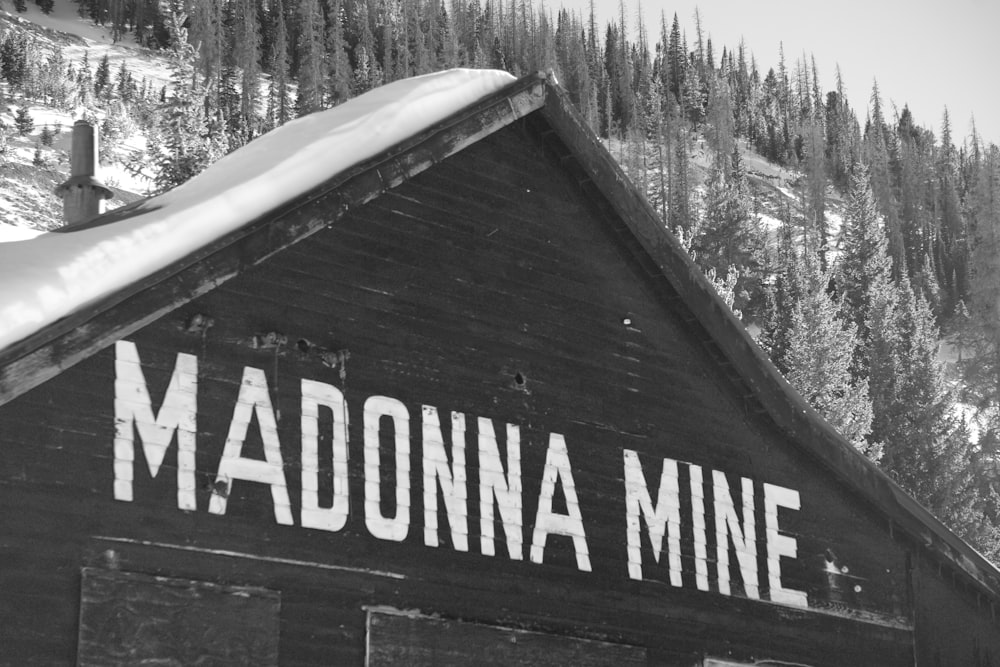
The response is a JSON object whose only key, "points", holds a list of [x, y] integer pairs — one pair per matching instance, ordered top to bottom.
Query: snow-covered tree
{"points": [[186, 140], [820, 350]]}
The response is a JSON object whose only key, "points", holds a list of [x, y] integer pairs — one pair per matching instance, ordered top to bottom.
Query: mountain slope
{"points": [[31, 170]]}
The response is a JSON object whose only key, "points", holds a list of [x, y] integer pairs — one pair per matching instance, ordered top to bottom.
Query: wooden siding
{"points": [[485, 287], [955, 624]]}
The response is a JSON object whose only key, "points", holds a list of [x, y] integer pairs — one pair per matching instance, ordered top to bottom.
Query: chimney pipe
{"points": [[83, 194]]}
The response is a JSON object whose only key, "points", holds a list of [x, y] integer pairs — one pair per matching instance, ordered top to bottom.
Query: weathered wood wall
{"points": [[484, 287], [954, 624]]}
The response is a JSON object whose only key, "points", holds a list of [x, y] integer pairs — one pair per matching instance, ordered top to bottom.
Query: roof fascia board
{"points": [[65, 343], [784, 404]]}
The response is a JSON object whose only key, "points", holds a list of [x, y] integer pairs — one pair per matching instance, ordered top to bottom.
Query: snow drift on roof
{"points": [[48, 277]]}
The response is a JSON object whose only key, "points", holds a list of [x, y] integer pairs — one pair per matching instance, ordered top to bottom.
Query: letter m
{"points": [[134, 413], [662, 519]]}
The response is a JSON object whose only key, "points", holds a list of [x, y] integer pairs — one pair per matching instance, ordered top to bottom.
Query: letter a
{"points": [[253, 398], [557, 469]]}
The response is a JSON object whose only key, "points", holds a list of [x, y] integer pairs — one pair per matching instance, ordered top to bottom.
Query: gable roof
{"points": [[238, 213], [57, 274]]}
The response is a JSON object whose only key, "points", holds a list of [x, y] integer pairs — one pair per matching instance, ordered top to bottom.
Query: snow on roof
{"points": [[49, 277]]}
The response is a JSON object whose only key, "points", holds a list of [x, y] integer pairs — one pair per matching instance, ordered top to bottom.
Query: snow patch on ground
{"points": [[63, 18], [79, 35], [788, 193], [769, 222], [834, 223], [12, 233], [48, 277]]}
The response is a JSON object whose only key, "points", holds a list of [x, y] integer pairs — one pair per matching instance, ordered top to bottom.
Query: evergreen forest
{"points": [[852, 308]]}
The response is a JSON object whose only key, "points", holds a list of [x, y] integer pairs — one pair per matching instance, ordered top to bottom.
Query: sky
{"points": [[927, 55]]}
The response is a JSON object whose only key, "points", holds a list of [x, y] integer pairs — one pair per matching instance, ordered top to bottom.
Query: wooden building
{"points": [[464, 403]]}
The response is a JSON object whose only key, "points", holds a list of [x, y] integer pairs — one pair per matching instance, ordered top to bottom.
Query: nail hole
{"points": [[519, 379]]}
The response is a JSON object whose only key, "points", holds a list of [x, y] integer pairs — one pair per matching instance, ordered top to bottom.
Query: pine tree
{"points": [[117, 11], [207, 31], [247, 35], [14, 57], [310, 58], [675, 61], [572, 62], [338, 64], [619, 72], [367, 73], [102, 76], [56, 81], [84, 82], [124, 84], [279, 100], [226, 103], [23, 121], [721, 129], [771, 138], [186, 141], [841, 150], [879, 155], [814, 165], [916, 201], [679, 215], [729, 235], [953, 250], [866, 269], [782, 297], [870, 301], [820, 349], [982, 372], [927, 445]]}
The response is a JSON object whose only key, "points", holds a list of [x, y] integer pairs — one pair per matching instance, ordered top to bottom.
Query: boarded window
{"points": [[129, 619], [396, 639]]}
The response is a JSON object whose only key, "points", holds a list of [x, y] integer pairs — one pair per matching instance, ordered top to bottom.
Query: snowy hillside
{"points": [[29, 169], [32, 170]]}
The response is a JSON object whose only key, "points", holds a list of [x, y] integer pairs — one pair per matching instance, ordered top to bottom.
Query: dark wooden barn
{"points": [[465, 403]]}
